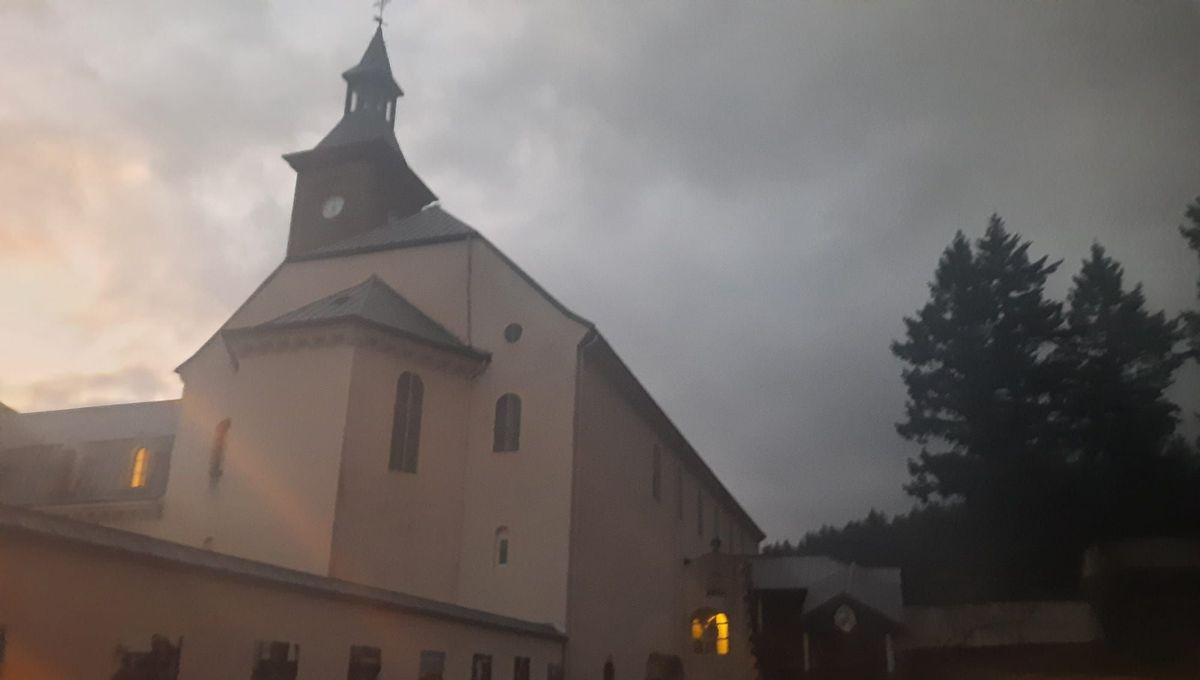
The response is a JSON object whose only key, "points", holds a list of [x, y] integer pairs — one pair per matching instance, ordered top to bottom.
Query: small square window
{"points": [[276, 661], [365, 663], [433, 665]]}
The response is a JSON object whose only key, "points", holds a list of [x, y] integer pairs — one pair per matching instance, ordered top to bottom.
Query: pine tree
{"points": [[1192, 234], [1122, 358], [979, 375]]}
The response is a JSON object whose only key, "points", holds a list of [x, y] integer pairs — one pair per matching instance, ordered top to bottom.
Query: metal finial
{"points": [[381, 5]]}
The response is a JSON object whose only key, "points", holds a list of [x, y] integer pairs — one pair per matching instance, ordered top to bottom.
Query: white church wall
{"points": [[526, 491], [274, 500], [395, 529]]}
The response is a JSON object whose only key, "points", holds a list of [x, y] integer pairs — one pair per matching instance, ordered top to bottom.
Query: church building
{"points": [[400, 457]]}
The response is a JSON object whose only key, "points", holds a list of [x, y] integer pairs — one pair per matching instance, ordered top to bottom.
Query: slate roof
{"points": [[374, 65], [431, 225], [375, 303], [14, 520], [826, 579]]}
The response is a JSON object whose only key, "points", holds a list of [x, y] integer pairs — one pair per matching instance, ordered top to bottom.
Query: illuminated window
{"points": [[406, 423], [507, 434], [216, 461], [137, 474], [656, 474], [502, 545], [710, 632]]}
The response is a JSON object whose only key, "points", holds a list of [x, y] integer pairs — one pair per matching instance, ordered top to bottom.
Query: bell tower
{"points": [[355, 179]]}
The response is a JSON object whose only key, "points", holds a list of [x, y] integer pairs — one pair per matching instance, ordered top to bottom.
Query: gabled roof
{"points": [[431, 225], [377, 304], [827, 579]]}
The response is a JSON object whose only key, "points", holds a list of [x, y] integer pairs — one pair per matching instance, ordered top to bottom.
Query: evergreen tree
{"points": [[1192, 234], [1122, 359], [979, 376]]}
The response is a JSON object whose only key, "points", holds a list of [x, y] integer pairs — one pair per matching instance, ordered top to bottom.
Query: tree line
{"points": [[1044, 425]]}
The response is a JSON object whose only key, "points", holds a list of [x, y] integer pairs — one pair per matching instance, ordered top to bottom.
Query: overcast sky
{"points": [[745, 196]]}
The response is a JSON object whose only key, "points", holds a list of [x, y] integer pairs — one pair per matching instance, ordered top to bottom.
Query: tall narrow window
{"points": [[406, 423], [507, 435], [216, 460], [137, 473], [656, 473], [679, 490], [699, 512], [716, 521], [502, 546], [365, 663], [433, 665], [481, 667], [521, 668], [610, 672]]}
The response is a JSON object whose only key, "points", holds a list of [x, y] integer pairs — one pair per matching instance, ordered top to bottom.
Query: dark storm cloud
{"points": [[746, 197]]}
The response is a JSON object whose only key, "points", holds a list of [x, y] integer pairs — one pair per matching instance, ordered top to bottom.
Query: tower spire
{"points": [[356, 178]]}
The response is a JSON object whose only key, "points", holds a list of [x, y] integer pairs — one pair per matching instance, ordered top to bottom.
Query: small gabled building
{"points": [[816, 617]]}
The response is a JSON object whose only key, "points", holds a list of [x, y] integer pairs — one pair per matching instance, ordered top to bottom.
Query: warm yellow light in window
{"points": [[137, 478], [722, 623], [697, 629]]}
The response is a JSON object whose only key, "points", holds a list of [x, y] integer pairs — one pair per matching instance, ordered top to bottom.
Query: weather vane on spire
{"points": [[381, 5]]}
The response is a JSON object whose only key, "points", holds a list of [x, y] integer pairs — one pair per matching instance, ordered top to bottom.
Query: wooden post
{"points": [[807, 658]]}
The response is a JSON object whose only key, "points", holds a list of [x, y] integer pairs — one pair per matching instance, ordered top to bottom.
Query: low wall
{"points": [[1000, 624]]}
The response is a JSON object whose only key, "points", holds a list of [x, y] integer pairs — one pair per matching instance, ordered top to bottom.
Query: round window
{"points": [[512, 332]]}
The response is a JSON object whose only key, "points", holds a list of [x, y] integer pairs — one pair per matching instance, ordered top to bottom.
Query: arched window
{"points": [[406, 423], [508, 424], [216, 460], [139, 468], [501, 549], [710, 632], [609, 671]]}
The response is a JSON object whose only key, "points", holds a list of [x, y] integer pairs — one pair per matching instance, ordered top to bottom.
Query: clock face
{"points": [[332, 207], [845, 619]]}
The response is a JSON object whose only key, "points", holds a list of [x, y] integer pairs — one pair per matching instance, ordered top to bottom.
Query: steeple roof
{"points": [[375, 66]]}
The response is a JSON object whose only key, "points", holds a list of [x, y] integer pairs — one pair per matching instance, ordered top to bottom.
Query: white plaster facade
{"points": [[305, 482]]}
